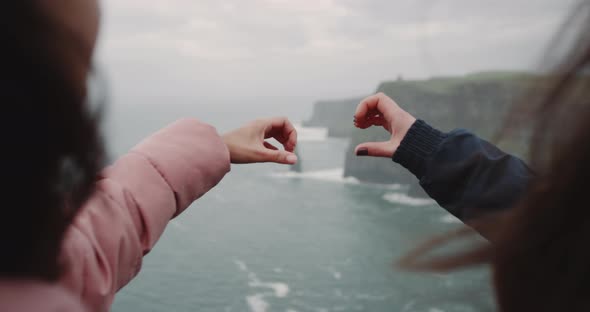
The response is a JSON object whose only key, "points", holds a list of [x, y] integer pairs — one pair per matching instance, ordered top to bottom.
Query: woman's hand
{"points": [[380, 110], [248, 144]]}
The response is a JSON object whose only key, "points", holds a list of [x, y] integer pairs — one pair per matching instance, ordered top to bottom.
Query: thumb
{"points": [[376, 149], [281, 157]]}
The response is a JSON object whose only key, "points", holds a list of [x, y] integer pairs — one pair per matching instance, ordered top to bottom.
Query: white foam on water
{"points": [[311, 134], [329, 175], [394, 187], [400, 198], [450, 219], [241, 265], [278, 270], [337, 275], [280, 290], [257, 303], [291, 310], [435, 310]]}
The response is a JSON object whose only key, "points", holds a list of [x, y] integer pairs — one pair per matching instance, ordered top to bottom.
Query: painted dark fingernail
{"points": [[362, 152]]}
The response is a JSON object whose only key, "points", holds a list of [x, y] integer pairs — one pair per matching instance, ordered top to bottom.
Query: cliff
{"points": [[477, 102], [336, 115]]}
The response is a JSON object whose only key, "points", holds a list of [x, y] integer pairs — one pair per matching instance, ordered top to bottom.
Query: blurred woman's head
{"points": [[79, 20], [51, 145], [539, 252], [541, 259]]}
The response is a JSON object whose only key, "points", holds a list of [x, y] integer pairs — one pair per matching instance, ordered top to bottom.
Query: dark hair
{"points": [[51, 144], [539, 249]]}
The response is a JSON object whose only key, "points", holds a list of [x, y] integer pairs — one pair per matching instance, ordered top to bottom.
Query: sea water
{"points": [[268, 239]]}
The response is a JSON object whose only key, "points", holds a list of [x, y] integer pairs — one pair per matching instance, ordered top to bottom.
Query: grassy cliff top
{"points": [[447, 84]]}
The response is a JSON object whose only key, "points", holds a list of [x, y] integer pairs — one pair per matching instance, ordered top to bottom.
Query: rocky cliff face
{"points": [[476, 102], [336, 115]]}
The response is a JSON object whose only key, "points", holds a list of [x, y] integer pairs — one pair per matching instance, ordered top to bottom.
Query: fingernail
{"points": [[363, 152], [292, 159]]}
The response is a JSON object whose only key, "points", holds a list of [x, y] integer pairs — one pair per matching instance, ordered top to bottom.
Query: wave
{"points": [[305, 134], [404, 199], [280, 290], [257, 302]]}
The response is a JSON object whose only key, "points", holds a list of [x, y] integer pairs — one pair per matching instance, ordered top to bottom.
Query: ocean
{"points": [[268, 239]]}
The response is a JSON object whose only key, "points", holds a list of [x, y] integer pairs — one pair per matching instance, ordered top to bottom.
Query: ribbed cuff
{"points": [[419, 143]]}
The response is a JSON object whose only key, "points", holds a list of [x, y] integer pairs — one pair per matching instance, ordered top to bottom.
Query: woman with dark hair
{"points": [[537, 220], [71, 237]]}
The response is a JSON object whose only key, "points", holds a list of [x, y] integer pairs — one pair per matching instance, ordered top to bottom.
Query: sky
{"points": [[245, 50]]}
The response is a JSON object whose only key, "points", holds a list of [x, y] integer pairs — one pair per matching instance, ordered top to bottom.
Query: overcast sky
{"points": [[313, 48]]}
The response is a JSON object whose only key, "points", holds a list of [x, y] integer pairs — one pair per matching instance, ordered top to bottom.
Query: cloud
{"points": [[314, 48]]}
